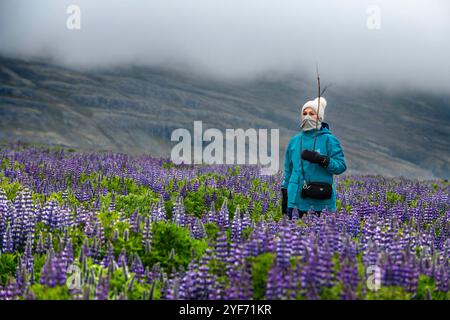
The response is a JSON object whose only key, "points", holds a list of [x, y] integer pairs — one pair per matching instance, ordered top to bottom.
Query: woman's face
{"points": [[309, 111]]}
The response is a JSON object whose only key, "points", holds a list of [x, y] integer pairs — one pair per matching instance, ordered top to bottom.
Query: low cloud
{"points": [[242, 39]]}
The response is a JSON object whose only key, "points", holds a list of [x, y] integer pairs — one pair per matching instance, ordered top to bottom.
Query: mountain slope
{"points": [[135, 109]]}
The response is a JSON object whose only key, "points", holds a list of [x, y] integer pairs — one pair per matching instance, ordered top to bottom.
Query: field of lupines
{"points": [[112, 226]]}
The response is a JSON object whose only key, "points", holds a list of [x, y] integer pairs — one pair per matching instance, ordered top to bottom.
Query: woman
{"points": [[319, 165]]}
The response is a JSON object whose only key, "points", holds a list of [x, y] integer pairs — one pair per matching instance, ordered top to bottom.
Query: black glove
{"points": [[315, 157], [283, 200]]}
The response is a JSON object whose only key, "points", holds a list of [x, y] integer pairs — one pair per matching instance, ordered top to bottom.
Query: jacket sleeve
{"points": [[337, 161], [287, 166]]}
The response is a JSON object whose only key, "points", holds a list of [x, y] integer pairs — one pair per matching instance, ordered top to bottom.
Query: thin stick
{"points": [[325, 89], [318, 107]]}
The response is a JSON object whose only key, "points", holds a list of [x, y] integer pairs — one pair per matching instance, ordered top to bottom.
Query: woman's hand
{"points": [[315, 157]]}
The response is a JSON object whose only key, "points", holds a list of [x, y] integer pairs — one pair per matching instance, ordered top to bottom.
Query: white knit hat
{"points": [[314, 105]]}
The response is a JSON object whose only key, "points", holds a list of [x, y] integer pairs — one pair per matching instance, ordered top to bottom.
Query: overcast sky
{"points": [[242, 38]]}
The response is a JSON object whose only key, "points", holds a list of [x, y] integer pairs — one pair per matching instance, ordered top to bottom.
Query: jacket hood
{"points": [[324, 129]]}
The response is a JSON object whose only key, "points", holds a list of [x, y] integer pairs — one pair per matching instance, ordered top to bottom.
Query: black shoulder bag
{"points": [[314, 190]]}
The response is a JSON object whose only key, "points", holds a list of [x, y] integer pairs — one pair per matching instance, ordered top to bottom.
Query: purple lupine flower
{"points": [[112, 203], [159, 211], [28, 214], [4, 215], [50, 215], [179, 215], [212, 216], [223, 216], [135, 222], [89, 226], [236, 226], [17, 227], [198, 229], [99, 233], [147, 235], [8, 241], [48, 242], [40, 245], [283, 246], [221, 247], [85, 250], [95, 251], [109, 256], [27, 258], [122, 259], [138, 268], [53, 272], [348, 275], [21, 277], [442, 278], [240, 284], [102, 288], [186, 288], [173, 290], [10, 291]]}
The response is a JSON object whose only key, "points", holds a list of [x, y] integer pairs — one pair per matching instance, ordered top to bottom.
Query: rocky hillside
{"points": [[135, 109]]}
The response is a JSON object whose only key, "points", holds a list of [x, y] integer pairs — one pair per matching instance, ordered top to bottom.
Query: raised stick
{"points": [[318, 107]]}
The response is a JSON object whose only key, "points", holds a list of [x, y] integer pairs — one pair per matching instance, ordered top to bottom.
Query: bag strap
{"points": [[301, 161]]}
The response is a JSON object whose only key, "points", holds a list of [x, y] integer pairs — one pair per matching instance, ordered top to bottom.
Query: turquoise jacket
{"points": [[326, 144]]}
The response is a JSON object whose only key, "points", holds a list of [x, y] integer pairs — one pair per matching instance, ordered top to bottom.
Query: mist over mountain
{"points": [[237, 39], [134, 109]]}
